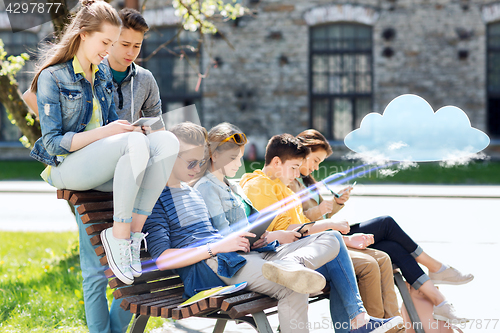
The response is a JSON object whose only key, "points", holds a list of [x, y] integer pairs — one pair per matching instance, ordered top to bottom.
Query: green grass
{"points": [[20, 170], [474, 173], [41, 283]]}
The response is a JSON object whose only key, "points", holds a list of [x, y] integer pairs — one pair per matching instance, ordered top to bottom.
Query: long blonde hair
{"points": [[88, 19], [216, 135]]}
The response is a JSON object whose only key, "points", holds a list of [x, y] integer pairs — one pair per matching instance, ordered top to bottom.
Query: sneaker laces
{"points": [[137, 243], [126, 248]]}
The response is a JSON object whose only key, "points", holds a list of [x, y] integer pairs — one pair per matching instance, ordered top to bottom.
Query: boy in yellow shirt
{"points": [[267, 188]]}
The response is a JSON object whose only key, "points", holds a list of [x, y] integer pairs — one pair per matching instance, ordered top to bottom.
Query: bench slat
{"points": [[60, 194], [79, 197], [95, 207], [97, 217], [96, 229], [96, 240], [145, 277], [146, 288], [126, 302], [229, 302], [135, 307], [252, 307], [145, 308], [167, 310], [179, 313]]}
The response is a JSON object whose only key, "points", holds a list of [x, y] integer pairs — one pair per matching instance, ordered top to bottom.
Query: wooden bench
{"points": [[158, 293]]}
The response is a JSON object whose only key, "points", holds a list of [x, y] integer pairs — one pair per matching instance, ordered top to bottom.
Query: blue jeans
{"points": [[390, 238], [345, 300], [100, 319]]}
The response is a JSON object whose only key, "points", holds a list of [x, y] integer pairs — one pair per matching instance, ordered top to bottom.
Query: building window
{"points": [[15, 44], [176, 78], [493, 79], [340, 86]]}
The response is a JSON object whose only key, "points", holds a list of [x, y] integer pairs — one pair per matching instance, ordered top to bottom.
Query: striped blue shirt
{"points": [[179, 219]]}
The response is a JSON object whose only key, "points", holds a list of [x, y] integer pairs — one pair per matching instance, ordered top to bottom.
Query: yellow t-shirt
{"points": [[95, 120], [264, 192]]}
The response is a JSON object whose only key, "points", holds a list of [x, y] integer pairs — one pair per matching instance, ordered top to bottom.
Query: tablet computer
{"points": [[145, 121], [259, 225]]}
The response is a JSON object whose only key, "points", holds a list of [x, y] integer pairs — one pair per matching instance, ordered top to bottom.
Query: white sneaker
{"points": [[137, 238], [119, 255], [294, 276], [451, 276], [446, 312]]}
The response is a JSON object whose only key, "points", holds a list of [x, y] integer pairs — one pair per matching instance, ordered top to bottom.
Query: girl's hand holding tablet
{"points": [[118, 127]]}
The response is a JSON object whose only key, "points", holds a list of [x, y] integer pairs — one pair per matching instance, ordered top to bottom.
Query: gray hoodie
{"points": [[145, 96]]}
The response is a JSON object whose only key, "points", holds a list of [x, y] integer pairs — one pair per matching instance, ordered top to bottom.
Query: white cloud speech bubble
{"points": [[409, 130]]}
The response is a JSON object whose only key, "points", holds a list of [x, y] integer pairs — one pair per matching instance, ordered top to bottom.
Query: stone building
{"points": [[325, 64]]}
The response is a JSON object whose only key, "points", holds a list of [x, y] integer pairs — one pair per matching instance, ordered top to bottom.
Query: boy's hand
{"points": [[342, 226], [286, 236], [359, 241], [234, 242], [261, 242]]}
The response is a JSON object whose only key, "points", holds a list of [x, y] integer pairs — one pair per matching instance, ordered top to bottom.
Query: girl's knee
{"points": [[137, 139]]}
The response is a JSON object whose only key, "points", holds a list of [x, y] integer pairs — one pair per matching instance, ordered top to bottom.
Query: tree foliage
{"points": [[196, 15], [10, 97]]}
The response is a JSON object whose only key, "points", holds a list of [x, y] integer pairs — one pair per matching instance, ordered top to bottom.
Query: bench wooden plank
{"points": [[60, 194], [78, 197], [88, 207], [97, 217], [96, 229], [96, 240], [145, 277], [146, 288], [235, 300], [216, 301], [126, 302], [135, 307], [145, 307], [244, 309], [167, 310], [179, 313]]}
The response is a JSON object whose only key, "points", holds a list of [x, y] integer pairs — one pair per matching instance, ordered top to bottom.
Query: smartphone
{"points": [[146, 121], [338, 195], [305, 228]]}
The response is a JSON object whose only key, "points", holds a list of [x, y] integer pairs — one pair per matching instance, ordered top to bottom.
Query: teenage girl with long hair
{"points": [[85, 145]]}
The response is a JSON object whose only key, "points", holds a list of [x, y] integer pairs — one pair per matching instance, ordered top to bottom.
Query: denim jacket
{"points": [[65, 107], [226, 210]]}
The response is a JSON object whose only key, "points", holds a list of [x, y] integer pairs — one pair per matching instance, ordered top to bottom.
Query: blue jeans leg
{"points": [[384, 228], [411, 270], [345, 300], [99, 318]]}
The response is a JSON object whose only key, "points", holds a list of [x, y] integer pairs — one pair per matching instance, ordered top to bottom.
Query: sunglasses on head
{"points": [[238, 138], [192, 164]]}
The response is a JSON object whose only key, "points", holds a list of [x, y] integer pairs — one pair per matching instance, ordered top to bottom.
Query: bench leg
{"points": [[408, 302], [262, 322], [139, 324], [220, 325]]}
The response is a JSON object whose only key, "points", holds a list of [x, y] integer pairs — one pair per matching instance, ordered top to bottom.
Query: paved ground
{"points": [[456, 224]]}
